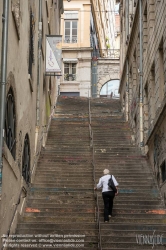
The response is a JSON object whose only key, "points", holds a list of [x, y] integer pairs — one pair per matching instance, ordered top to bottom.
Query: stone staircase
{"points": [[61, 204], [61, 209], [138, 209]]}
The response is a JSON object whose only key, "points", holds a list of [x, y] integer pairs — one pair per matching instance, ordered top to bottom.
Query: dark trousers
{"points": [[108, 204]]}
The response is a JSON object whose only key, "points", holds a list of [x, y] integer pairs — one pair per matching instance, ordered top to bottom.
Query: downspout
{"points": [[5, 20], [127, 61], [38, 74], [141, 77]]}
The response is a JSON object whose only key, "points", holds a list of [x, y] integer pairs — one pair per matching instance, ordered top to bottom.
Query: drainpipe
{"points": [[5, 20], [127, 61], [39, 64], [38, 75], [141, 77], [127, 91]]}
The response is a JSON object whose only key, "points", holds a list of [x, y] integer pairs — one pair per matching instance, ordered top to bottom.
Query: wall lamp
{"points": [[68, 0]]}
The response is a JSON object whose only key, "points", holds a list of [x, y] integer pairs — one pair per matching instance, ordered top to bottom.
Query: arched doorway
{"points": [[110, 89]]}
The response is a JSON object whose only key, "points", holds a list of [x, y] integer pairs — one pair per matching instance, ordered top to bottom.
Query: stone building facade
{"points": [[89, 32], [76, 49], [143, 78], [30, 98]]}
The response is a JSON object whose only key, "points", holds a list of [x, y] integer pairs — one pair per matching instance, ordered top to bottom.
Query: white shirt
{"points": [[103, 182]]}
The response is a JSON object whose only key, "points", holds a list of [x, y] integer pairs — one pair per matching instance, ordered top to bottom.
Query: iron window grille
{"points": [[10, 123], [26, 160]]}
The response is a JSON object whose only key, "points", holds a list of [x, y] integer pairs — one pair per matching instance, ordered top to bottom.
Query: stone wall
{"points": [[107, 70], [154, 81], [34, 97]]}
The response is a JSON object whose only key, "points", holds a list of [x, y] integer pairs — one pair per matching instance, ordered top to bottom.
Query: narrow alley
{"points": [[62, 204]]}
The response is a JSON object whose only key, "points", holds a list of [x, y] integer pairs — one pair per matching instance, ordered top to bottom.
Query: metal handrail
{"points": [[97, 212], [13, 217], [99, 225]]}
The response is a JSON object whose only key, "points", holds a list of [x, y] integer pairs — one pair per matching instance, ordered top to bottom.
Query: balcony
{"points": [[114, 53], [69, 77]]}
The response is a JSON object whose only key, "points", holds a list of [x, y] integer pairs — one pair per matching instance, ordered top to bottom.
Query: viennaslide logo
{"points": [[150, 239]]}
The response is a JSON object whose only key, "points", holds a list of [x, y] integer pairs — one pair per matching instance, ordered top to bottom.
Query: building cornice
{"points": [[77, 49]]}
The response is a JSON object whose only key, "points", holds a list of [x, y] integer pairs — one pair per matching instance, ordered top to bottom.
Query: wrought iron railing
{"points": [[72, 39], [114, 53], [69, 77]]}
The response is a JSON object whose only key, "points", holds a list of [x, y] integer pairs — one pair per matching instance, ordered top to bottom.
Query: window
{"points": [[71, 24], [145, 29], [70, 32], [31, 44], [70, 71], [161, 71], [152, 94], [146, 107], [10, 123], [26, 160], [163, 171]]}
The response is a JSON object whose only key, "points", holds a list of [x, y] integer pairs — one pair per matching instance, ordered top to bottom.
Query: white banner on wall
{"points": [[53, 54]]}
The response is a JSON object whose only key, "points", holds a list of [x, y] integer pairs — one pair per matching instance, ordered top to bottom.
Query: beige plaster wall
{"points": [[25, 95]]}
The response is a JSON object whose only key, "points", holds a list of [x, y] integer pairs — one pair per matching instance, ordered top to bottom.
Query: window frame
{"points": [[71, 17], [72, 38], [70, 76]]}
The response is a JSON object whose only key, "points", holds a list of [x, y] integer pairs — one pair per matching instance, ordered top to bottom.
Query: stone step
{"points": [[127, 168], [121, 177], [88, 181], [65, 185], [61, 191], [126, 193], [85, 202], [132, 202], [71, 203], [75, 210], [134, 216], [58, 219], [137, 220], [60, 226], [132, 226], [130, 233], [135, 239], [57, 246], [130, 246]]}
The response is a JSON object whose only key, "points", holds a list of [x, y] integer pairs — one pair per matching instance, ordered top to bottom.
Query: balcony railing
{"points": [[70, 39], [114, 53], [69, 77]]}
